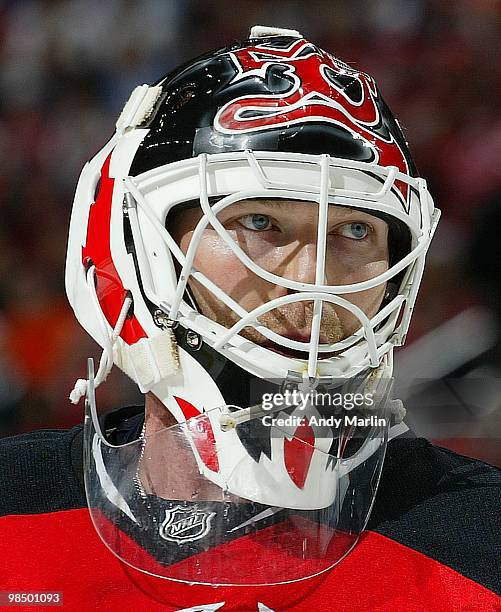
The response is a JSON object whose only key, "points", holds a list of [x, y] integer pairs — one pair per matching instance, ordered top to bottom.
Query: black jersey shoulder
{"points": [[42, 471], [37, 472], [443, 505]]}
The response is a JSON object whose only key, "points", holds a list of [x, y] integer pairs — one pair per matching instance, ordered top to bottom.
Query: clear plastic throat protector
{"points": [[156, 510]]}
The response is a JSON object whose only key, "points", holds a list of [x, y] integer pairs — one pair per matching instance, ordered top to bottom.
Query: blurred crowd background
{"points": [[68, 66]]}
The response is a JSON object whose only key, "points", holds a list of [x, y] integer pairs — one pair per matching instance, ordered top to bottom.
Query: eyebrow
{"points": [[288, 205]]}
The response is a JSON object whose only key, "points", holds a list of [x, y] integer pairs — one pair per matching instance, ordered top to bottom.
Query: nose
{"points": [[299, 265]]}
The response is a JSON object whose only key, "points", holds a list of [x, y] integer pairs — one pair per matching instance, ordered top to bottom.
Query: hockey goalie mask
{"points": [[182, 266]]}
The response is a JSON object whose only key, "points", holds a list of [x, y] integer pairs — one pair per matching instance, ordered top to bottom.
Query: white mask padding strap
{"points": [[259, 31], [138, 107], [108, 340], [147, 361]]}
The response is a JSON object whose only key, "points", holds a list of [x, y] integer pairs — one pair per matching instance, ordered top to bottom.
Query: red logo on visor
{"points": [[201, 433], [298, 452]]}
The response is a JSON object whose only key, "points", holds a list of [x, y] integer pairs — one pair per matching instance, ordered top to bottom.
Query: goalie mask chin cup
{"points": [[273, 117]]}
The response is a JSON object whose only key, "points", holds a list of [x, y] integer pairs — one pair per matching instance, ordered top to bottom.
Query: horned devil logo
{"points": [[316, 87], [185, 524]]}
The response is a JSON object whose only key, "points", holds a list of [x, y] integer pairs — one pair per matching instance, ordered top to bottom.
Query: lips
{"points": [[294, 353]]}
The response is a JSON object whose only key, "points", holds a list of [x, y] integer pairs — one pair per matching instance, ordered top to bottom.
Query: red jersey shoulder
{"points": [[61, 551]]}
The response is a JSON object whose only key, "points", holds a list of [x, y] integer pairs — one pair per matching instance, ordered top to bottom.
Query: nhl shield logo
{"points": [[185, 524]]}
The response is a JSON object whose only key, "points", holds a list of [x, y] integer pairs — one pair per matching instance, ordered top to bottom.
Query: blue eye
{"points": [[256, 222], [356, 231]]}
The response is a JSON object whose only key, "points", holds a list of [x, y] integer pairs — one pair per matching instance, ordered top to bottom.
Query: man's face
{"points": [[281, 237]]}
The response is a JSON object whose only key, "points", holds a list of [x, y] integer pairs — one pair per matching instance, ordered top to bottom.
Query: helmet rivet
{"points": [[162, 320], [193, 340]]}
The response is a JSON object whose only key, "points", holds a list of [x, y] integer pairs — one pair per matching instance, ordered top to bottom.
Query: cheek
{"points": [[350, 262], [218, 263], [366, 271], [369, 300]]}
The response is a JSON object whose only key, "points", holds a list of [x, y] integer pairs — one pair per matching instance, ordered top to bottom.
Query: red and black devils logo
{"points": [[319, 89]]}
